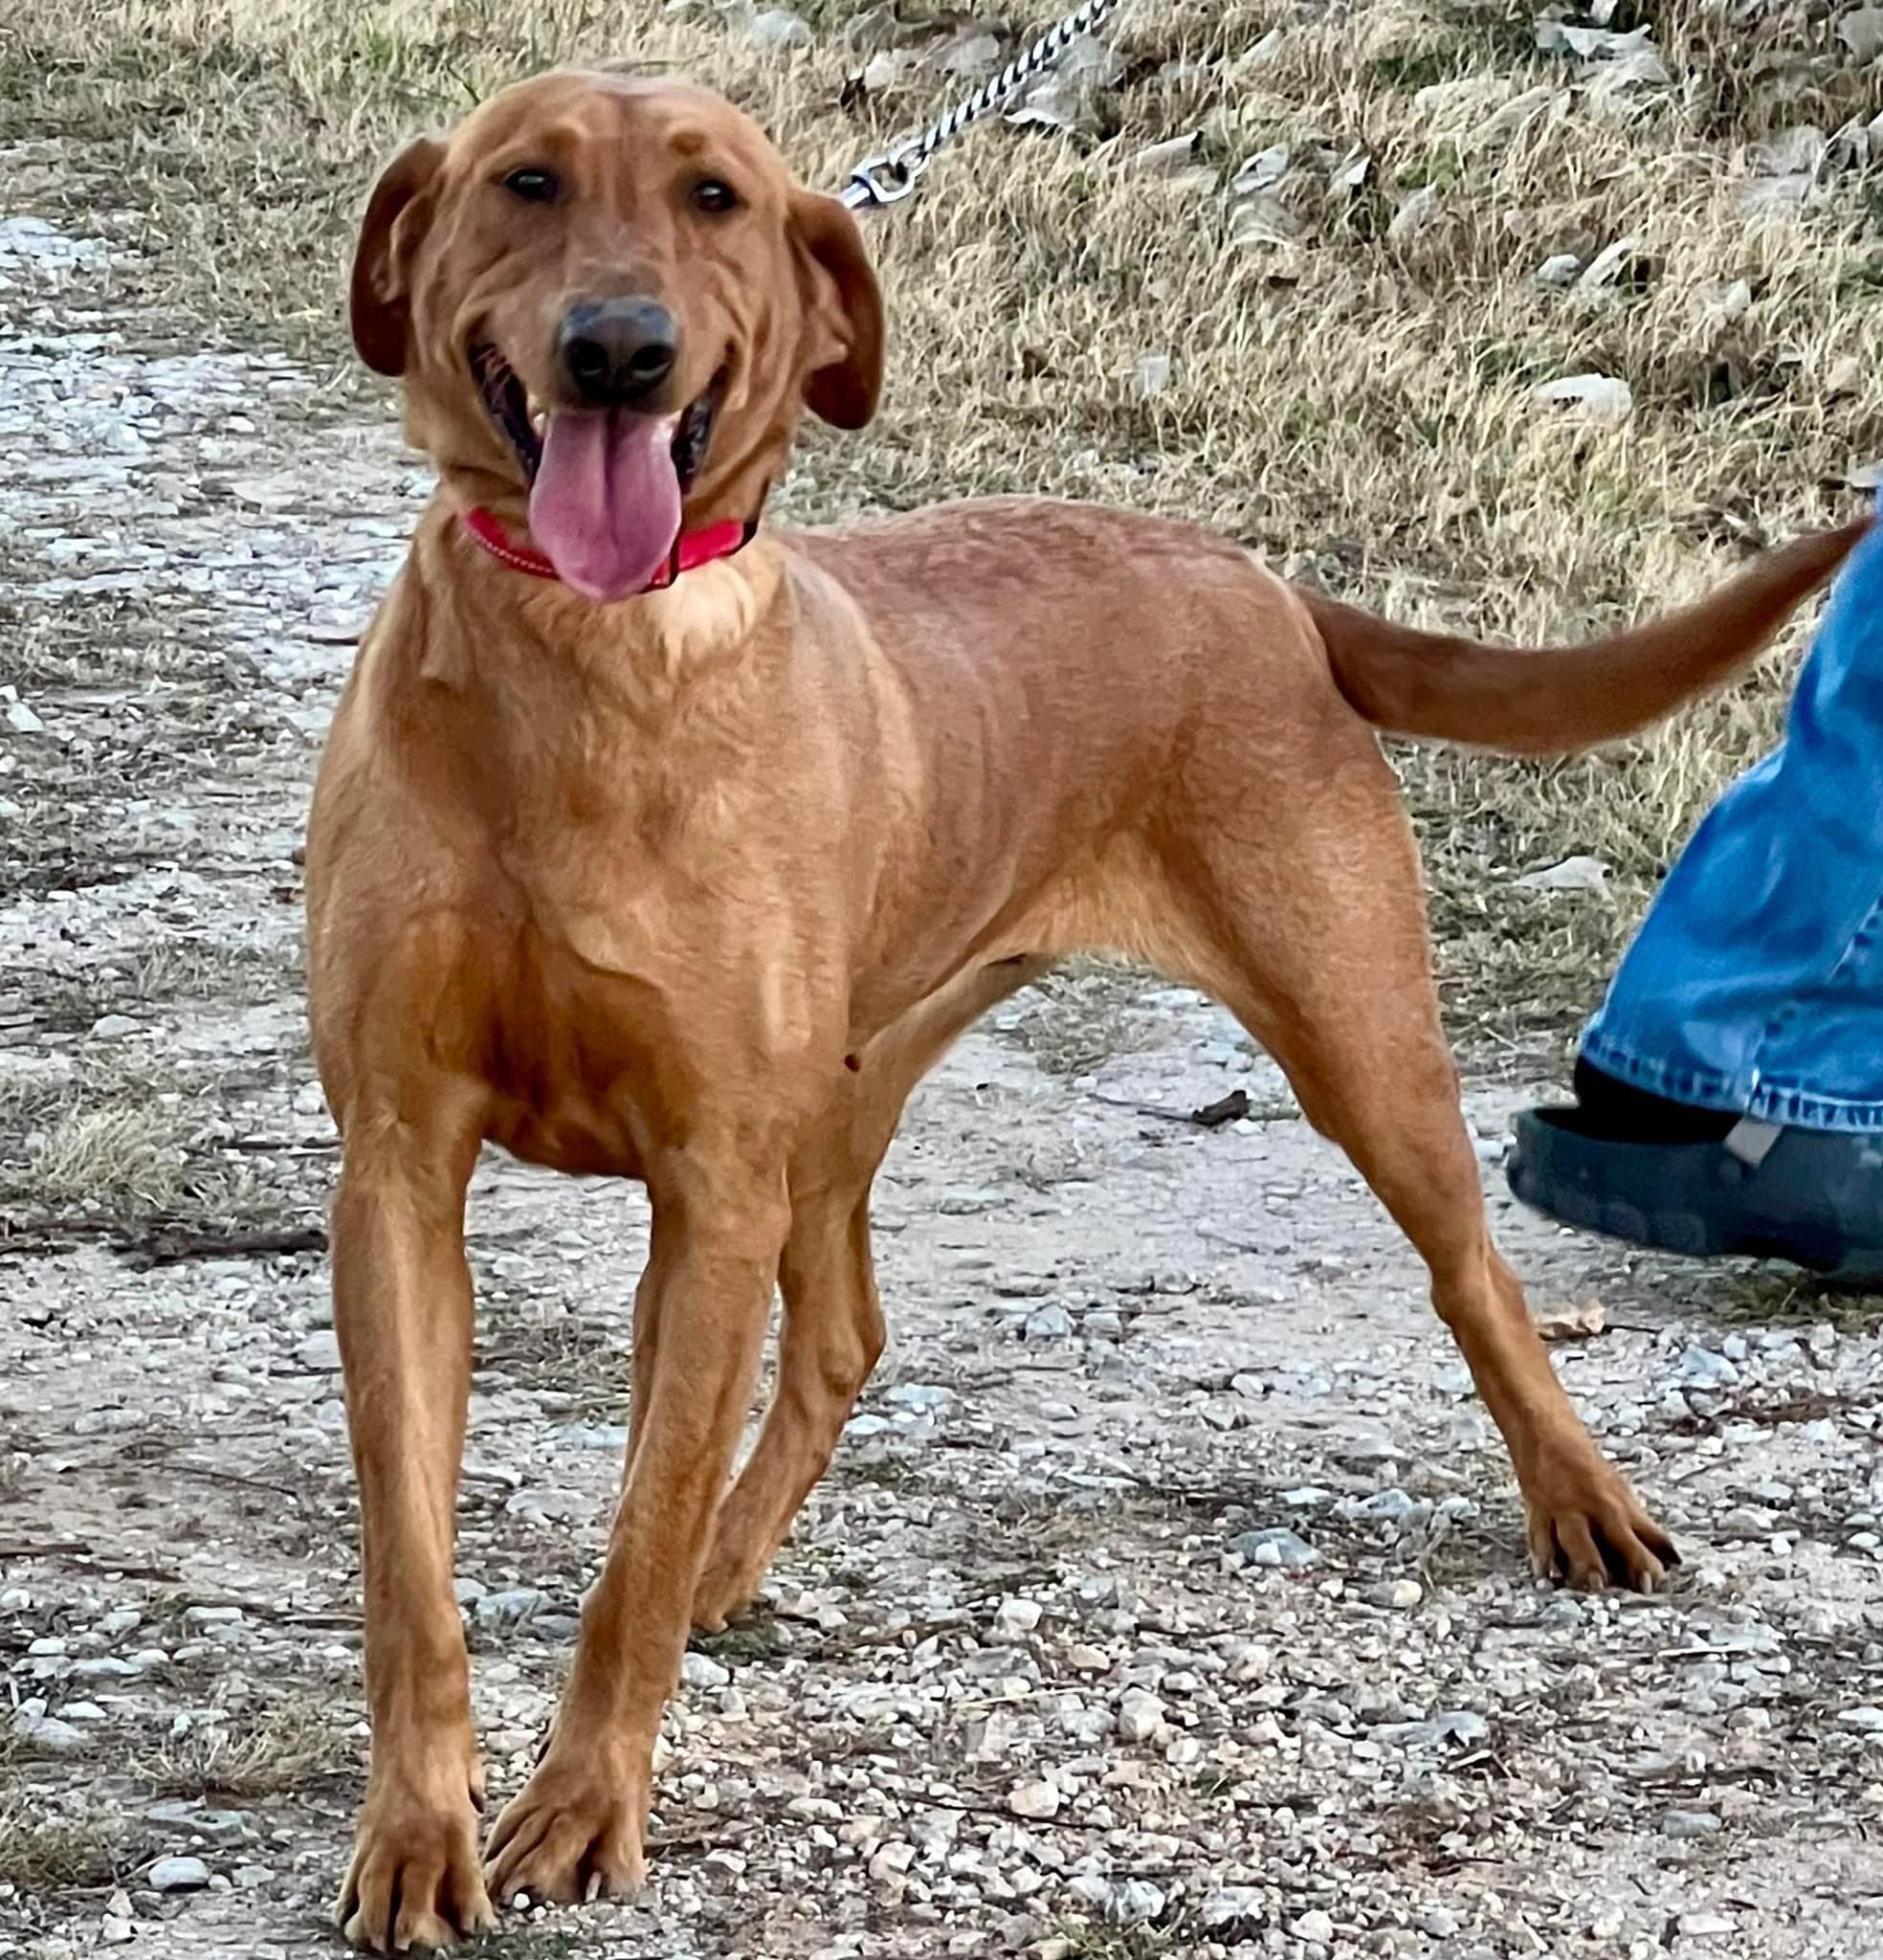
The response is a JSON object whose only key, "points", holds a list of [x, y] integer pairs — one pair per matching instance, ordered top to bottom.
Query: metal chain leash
{"points": [[891, 177]]}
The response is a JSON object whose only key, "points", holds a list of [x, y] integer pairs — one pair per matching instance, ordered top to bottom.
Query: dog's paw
{"points": [[1587, 1526], [725, 1590], [573, 1832], [416, 1884]]}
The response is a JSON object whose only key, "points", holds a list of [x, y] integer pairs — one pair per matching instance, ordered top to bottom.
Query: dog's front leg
{"points": [[719, 1221], [402, 1312]]}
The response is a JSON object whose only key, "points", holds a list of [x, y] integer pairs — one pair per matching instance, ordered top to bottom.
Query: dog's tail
{"points": [[1555, 700]]}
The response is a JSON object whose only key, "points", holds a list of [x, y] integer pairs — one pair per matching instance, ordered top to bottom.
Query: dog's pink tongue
{"points": [[606, 505]]}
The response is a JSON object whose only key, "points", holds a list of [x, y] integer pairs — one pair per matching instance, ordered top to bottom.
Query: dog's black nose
{"points": [[617, 353]]}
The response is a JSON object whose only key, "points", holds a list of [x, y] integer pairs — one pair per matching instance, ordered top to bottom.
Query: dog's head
{"points": [[610, 302]]}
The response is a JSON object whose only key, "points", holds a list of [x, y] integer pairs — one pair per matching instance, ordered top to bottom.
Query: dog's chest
{"points": [[601, 1024], [568, 1065]]}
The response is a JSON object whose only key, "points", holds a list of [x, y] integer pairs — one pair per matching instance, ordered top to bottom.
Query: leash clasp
{"points": [[890, 178], [885, 179]]}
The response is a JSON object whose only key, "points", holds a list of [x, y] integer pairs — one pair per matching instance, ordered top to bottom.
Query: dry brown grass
{"points": [[1356, 403], [1078, 1017], [120, 1151], [279, 1748], [40, 1854]]}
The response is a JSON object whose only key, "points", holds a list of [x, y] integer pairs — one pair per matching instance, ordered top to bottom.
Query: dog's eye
{"points": [[533, 186], [714, 197]]}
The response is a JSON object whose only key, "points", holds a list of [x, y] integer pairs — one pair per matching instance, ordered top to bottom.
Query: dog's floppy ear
{"points": [[379, 300], [842, 308]]}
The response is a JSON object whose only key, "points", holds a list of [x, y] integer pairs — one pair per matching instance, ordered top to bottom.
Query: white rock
{"points": [[777, 28], [1861, 31], [1170, 158], [1262, 171], [1413, 214], [1608, 264], [1604, 397], [1571, 875], [966, 1203], [319, 1350], [1700, 1368], [923, 1398], [1276, 1546], [508, 1608], [1017, 1618], [703, 1671], [1140, 1714], [49, 1732], [1038, 1800], [891, 1862], [178, 1875], [1137, 1903], [1234, 1910], [1316, 1927]]}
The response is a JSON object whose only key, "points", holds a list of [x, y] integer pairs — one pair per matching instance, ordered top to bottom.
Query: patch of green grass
{"points": [[1475, 41], [1863, 279], [1753, 1296], [1777, 1297], [883, 1471], [759, 1637], [1087, 1940], [527, 1943]]}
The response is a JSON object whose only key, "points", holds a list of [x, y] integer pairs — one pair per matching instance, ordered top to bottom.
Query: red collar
{"points": [[691, 549]]}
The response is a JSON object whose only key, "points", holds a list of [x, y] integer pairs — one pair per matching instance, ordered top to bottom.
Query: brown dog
{"points": [[691, 885]]}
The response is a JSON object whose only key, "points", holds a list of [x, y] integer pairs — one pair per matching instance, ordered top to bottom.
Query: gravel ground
{"points": [[1167, 1594]]}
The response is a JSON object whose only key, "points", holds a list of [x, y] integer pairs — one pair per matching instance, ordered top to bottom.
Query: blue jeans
{"points": [[1755, 985]]}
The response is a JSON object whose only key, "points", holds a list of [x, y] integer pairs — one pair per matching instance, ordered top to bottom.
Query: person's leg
{"points": [[1736, 1062]]}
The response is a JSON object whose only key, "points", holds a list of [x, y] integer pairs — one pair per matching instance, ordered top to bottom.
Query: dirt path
{"points": [[1020, 1691]]}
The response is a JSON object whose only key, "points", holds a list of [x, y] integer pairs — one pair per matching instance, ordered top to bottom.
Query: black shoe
{"points": [[1662, 1174]]}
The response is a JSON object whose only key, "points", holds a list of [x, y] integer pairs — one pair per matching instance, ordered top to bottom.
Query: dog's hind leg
{"points": [[1303, 914], [832, 1330], [832, 1337]]}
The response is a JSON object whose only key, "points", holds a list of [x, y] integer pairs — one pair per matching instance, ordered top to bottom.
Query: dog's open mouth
{"points": [[507, 403], [606, 484]]}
